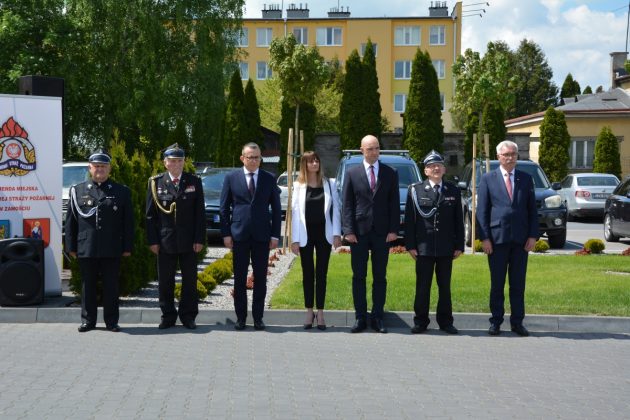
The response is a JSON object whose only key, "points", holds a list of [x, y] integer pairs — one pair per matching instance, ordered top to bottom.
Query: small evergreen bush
{"points": [[478, 246], [541, 246], [594, 246], [220, 270], [208, 281], [201, 291]]}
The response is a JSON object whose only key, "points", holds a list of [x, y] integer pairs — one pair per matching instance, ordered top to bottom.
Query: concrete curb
{"points": [[343, 319]]}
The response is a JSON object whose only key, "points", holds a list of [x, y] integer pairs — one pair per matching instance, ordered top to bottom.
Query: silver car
{"points": [[283, 181], [585, 194]]}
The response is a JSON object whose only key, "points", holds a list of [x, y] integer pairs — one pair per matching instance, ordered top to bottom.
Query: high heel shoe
{"points": [[310, 325], [322, 326]]}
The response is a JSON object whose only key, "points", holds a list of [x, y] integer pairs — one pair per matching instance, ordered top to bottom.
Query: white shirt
{"points": [[367, 169], [247, 172]]}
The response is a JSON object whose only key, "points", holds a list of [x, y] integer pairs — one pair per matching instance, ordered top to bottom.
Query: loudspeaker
{"points": [[41, 86], [21, 271]]}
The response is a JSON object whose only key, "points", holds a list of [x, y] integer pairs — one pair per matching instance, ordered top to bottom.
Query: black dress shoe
{"points": [[166, 324], [191, 325], [259, 325], [359, 325], [239, 326], [378, 326], [86, 327], [113, 328], [418, 329], [449, 329], [495, 329], [520, 330]]}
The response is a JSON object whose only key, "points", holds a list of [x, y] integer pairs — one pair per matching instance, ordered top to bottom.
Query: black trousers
{"points": [[258, 253], [360, 253], [510, 259], [425, 266], [108, 270], [314, 272], [188, 306]]}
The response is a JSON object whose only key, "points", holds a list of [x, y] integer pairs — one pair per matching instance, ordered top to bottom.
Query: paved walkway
{"points": [[50, 371]]}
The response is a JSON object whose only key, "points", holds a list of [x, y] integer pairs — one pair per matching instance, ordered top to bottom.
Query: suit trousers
{"points": [[258, 253], [360, 253], [510, 259], [425, 267], [91, 269], [314, 272], [188, 303]]}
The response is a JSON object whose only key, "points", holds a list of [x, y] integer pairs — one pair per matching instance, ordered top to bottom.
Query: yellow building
{"points": [[396, 40], [585, 116]]}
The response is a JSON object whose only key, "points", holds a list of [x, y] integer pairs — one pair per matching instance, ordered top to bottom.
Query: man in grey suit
{"points": [[370, 221], [508, 230]]}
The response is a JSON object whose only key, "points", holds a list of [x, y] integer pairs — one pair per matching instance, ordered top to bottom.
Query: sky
{"points": [[576, 36]]}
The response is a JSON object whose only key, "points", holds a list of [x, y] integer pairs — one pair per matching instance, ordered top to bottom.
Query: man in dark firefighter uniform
{"points": [[176, 230], [99, 231], [434, 236]]}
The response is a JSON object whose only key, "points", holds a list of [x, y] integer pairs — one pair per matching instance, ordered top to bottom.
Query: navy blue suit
{"points": [[370, 217], [251, 222], [507, 224]]}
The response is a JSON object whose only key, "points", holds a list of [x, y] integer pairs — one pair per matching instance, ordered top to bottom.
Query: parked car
{"points": [[72, 173], [408, 173], [283, 181], [212, 182], [585, 194], [552, 212], [617, 213]]}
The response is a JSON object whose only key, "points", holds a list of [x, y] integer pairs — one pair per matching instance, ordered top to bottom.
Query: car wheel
{"points": [[467, 230], [608, 232], [558, 240]]}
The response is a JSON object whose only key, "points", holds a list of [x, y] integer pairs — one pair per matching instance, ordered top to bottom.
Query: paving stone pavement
{"points": [[50, 371]]}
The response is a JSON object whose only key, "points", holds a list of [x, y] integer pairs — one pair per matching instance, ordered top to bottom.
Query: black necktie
{"points": [[251, 187], [437, 191]]}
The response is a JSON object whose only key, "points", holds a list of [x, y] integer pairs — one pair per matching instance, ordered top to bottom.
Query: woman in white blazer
{"points": [[315, 226]]}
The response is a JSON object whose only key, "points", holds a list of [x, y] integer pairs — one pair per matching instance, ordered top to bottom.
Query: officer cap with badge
{"points": [[174, 151], [100, 156], [433, 157]]}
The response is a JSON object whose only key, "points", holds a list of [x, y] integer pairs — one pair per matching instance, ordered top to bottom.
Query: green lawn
{"points": [[556, 284]]}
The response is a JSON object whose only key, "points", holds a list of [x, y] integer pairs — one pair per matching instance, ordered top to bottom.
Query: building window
{"points": [[301, 35], [407, 35], [437, 35], [328, 36], [263, 37], [243, 38], [374, 45], [439, 66], [244, 69], [402, 70], [263, 71], [400, 102], [582, 152]]}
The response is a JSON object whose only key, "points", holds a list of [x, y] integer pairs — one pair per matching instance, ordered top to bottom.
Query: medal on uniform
{"points": [[89, 203], [115, 208]]}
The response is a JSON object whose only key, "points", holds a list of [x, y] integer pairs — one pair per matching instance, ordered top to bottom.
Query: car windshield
{"points": [[406, 172], [74, 174], [282, 179], [540, 180], [213, 181], [597, 181]]}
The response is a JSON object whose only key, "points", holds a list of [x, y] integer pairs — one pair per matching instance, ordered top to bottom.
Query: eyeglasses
{"points": [[508, 155], [252, 157]]}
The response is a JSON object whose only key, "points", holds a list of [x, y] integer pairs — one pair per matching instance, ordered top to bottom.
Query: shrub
{"points": [[478, 246], [541, 246], [594, 246], [626, 251], [229, 256], [220, 270], [208, 281], [201, 291]]}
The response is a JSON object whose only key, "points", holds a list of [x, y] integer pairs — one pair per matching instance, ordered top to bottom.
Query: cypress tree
{"points": [[570, 87], [587, 90], [371, 108], [251, 111], [493, 117], [306, 122], [422, 125], [472, 127], [351, 129], [554, 145], [230, 150], [607, 159]]}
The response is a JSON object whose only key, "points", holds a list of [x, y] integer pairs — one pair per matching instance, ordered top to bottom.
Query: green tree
{"points": [[301, 71], [534, 87], [570, 87], [599, 89], [587, 90], [270, 104], [371, 108], [235, 124], [306, 124], [422, 124], [471, 128], [495, 128], [252, 130], [351, 130], [554, 145], [607, 159]]}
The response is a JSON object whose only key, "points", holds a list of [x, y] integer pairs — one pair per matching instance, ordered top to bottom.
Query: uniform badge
{"points": [[190, 188], [89, 203], [164, 203], [115, 208]]}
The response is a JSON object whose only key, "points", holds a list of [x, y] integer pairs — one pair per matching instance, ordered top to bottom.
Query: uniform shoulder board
{"points": [[157, 176], [414, 184]]}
